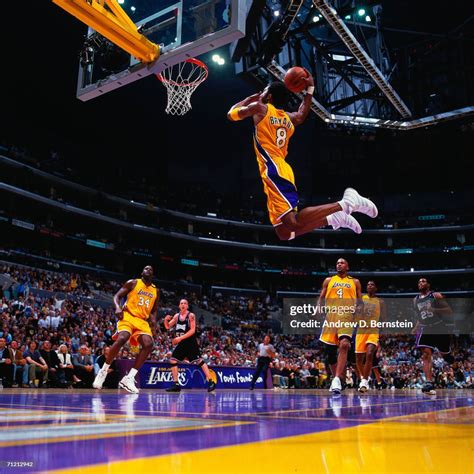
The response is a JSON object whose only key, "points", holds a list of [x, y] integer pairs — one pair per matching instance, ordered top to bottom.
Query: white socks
{"points": [[105, 367], [132, 373]]}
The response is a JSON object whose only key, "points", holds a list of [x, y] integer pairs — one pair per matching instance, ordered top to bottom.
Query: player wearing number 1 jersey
{"points": [[273, 129], [141, 303]]}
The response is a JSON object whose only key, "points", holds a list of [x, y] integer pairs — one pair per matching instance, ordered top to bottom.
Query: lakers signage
{"points": [[158, 375]]}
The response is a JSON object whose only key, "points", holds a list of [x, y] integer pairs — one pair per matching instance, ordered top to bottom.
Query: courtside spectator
{"points": [[65, 364], [6, 365], [84, 366], [20, 367], [38, 369]]}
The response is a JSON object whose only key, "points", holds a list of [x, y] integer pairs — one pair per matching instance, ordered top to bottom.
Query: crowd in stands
{"points": [[24, 278], [104, 287], [51, 340]]}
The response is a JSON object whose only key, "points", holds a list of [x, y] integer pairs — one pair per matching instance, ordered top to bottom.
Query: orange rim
{"points": [[195, 61]]}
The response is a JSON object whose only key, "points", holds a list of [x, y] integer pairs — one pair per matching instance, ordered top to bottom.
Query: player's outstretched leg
{"points": [[337, 215], [295, 224], [121, 340], [343, 350], [427, 356], [367, 367], [360, 369], [174, 372], [128, 381], [211, 385]]}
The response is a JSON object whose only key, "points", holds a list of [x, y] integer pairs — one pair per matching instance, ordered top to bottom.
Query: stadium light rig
{"points": [[218, 60]]}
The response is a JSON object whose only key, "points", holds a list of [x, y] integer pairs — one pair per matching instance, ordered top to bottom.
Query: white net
{"points": [[181, 80]]}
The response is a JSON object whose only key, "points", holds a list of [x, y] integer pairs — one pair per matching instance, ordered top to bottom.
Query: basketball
{"points": [[294, 79]]}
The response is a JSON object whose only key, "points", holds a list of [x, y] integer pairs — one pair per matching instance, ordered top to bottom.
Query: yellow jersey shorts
{"points": [[279, 185], [134, 326], [335, 327], [363, 339]]}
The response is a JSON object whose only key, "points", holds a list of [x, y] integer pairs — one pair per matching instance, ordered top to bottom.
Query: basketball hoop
{"points": [[181, 80]]}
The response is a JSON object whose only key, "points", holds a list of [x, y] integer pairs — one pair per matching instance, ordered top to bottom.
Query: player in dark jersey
{"points": [[432, 311], [184, 326]]}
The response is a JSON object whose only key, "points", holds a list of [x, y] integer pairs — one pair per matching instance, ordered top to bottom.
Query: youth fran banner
{"points": [[158, 375]]}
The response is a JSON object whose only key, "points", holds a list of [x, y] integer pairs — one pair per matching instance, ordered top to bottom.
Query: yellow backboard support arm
{"points": [[114, 24]]}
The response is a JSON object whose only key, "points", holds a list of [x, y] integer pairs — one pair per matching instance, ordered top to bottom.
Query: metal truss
{"points": [[290, 15], [338, 25], [278, 72], [352, 89]]}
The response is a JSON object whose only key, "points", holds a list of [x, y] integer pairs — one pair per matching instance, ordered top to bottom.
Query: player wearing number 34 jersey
{"points": [[273, 129], [141, 304], [137, 309]]}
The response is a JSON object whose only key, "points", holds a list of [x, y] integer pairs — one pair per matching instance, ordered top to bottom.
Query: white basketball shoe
{"points": [[352, 201], [341, 220], [128, 384]]}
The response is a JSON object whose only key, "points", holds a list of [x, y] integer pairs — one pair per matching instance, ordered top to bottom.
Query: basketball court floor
{"points": [[302, 431]]}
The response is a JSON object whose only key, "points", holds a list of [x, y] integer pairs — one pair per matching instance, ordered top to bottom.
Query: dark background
{"points": [[126, 136]]}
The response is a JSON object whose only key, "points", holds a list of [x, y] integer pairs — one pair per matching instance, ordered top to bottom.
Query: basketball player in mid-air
{"points": [[273, 130], [342, 293], [141, 303], [432, 312], [367, 338], [187, 349]]}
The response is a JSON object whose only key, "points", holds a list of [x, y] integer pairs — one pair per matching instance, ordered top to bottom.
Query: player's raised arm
{"points": [[248, 100], [249, 107], [297, 118], [122, 293], [170, 321]]}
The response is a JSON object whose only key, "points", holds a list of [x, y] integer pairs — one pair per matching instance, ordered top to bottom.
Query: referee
{"points": [[266, 352]]}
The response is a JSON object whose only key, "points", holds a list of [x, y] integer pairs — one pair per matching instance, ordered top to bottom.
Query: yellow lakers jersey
{"points": [[273, 132], [341, 290], [141, 299], [371, 307]]}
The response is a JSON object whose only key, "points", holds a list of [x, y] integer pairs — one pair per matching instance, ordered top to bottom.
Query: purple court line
{"points": [[53, 409]]}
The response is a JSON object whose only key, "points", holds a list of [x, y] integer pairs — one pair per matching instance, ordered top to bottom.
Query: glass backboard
{"points": [[182, 28]]}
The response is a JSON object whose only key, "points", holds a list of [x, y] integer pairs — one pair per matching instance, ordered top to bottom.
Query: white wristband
{"points": [[310, 90]]}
